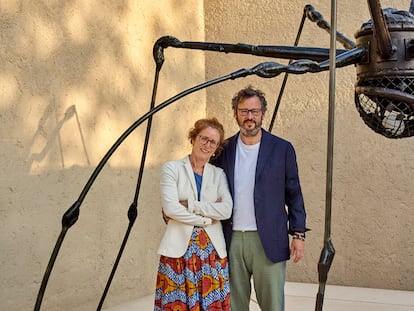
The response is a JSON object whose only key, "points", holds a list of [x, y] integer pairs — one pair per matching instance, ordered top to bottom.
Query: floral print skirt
{"points": [[198, 281]]}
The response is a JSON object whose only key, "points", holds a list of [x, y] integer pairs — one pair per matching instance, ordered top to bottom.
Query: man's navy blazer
{"points": [[278, 200]]}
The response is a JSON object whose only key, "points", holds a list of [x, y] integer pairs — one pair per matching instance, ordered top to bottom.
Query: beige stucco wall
{"points": [[74, 75], [372, 198]]}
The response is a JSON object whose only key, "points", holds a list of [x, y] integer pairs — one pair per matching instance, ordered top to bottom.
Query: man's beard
{"points": [[250, 132]]}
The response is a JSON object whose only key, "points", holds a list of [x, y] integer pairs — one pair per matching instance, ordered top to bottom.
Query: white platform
{"points": [[302, 297]]}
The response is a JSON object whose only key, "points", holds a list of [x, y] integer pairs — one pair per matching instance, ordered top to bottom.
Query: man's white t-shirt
{"points": [[244, 179]]}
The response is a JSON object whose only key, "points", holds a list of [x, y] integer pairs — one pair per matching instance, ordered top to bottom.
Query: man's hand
{"points": [[165, 217], [297, 249]]}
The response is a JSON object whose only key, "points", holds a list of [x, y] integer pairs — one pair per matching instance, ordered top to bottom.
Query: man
{"points": [[263, 178]]}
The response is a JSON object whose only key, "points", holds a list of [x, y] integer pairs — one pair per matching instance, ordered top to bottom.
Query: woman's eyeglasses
{"points": [[204, 140]]}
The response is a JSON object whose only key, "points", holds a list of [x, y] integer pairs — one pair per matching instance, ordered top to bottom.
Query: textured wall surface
{"points": [[74, 75], [372, 190]]}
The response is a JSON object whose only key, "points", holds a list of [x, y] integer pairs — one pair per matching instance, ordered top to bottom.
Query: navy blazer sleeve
{"points": [[293, 193]]}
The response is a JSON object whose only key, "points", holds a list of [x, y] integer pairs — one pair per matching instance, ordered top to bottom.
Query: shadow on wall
{"points": [[72, 78], [70, 115]]}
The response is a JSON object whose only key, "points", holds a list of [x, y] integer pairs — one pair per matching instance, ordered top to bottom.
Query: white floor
{"points": [[302, 297]]}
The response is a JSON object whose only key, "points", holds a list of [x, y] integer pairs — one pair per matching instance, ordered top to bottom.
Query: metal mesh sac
{"points": [[385, 114]]}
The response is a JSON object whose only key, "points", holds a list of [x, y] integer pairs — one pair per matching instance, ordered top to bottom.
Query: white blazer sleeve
{"points": [[172, 182]]}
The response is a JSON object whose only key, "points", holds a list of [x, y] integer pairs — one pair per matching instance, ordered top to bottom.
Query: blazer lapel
{"points": [[264, 153], [230, 159], [190, 175], [207, 176]]}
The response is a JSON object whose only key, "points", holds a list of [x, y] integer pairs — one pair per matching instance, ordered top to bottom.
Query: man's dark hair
{"points": [[248, 92]]}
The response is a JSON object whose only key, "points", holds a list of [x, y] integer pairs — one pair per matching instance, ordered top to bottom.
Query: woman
{"points": [[193, 270]]}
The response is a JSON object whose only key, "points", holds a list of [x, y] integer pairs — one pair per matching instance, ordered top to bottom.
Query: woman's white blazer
{"points": [[177, 184]]}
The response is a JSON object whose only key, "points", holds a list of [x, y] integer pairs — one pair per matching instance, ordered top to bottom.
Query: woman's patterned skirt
{"points": [[198, 281]]}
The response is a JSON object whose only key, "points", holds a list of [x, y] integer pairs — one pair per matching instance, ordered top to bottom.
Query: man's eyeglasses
{"points": [[245, 112], [204, 140]]}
